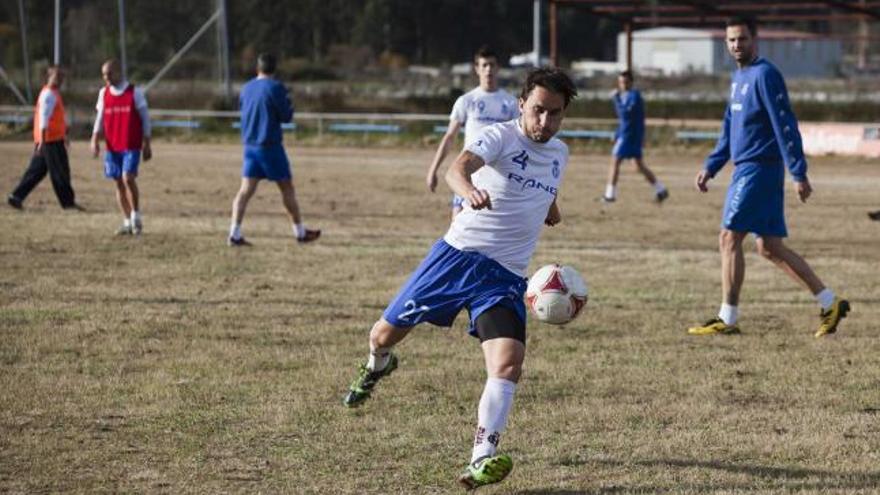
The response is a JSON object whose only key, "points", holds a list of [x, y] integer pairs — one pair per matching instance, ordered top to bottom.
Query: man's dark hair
{"points": [[748, 22], [485, 52], [266, 63], [627, 74], [552, 79]]}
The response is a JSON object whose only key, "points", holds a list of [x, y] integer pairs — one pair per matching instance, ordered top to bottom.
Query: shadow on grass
{"points": [[799, 479]]}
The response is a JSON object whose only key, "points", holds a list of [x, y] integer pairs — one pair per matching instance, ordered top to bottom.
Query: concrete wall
{"points": [[669, 51], [672, 51], [795, 58]]}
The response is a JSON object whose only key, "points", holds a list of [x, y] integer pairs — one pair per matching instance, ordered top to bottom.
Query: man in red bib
{"points": [[123, 117], [50, 146]]}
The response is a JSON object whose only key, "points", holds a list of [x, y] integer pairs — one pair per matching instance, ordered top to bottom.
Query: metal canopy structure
{"points": [[693, 13]]}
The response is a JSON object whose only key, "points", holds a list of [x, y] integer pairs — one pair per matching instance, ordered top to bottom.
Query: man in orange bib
{"points": [[50, 146]]}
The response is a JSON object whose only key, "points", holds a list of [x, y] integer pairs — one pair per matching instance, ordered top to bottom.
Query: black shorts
{"points": [[500, 321]]}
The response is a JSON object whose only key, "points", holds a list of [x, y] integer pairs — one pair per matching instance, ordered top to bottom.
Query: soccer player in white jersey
{"points": [[484, 105], [509, 176]]}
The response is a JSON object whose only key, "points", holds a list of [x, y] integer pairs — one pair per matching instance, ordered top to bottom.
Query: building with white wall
{"points": [[676, 51]]}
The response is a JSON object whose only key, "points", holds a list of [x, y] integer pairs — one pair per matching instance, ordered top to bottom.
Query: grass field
{"points": [[171, 363]]}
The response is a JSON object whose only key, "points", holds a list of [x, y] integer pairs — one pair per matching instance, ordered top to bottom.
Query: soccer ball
{"points": [[556, 294]]}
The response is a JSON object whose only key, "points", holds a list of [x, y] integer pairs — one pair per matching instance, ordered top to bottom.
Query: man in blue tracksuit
{"points": [[265, 105], [759, 134], [629, 137]]}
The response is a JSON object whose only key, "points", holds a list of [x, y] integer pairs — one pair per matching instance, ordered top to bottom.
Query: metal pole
{"points": [[218, 6], [57, 32], [536, 32], [554, 46], [629, 46], [223, 51], [25, 52], [181, 52], [123, 59], [862, 60]]}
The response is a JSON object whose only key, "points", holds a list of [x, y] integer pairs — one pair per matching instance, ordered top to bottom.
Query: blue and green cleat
{"points": [[360, 389], [486, 471]]}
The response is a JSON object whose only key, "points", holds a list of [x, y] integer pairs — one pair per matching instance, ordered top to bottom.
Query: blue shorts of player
{"points": [[627, 148], [265, 162], [117, 163], [756, 200], [457, 201], [449, 280]]}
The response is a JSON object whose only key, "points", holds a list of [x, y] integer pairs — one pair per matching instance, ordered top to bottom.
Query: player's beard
{"points": [[745, 57], [534, 132], [540, 136]]}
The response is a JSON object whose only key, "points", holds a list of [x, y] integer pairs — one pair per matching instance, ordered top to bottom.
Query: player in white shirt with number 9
{"points": [[480, 107]]}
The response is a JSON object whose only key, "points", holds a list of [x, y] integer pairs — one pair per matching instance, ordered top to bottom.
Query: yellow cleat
{"points": [[832, 316], [713, 327]]}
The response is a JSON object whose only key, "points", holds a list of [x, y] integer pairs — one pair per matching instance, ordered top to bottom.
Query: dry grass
{"points": [[173, 364]]}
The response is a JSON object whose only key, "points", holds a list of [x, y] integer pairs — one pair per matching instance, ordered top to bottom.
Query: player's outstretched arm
{"points": [[440, 155], [459, 179]]}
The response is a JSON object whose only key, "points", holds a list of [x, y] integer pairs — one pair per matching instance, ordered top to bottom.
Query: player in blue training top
{"points": [[265, 105], [484, 105], [759, 134], [629, 138], [509, 176]]}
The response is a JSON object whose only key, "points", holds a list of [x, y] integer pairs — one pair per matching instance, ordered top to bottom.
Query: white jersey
{"points": [[477, 109], [522, 178]]}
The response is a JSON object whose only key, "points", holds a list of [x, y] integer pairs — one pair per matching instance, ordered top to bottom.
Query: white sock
{"points": [[659, 187], [610, 191], [135, 216], [126, 222], [299, 230], [235, 231], [825, 298], [728, 313], [379, 358], [492, 416]]}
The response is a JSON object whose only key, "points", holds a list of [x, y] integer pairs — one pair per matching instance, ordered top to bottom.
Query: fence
{"points": [[321, 122]]}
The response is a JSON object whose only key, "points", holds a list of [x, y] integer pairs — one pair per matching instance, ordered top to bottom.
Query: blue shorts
{"points": [[627, 148], [265, 162], [117, 163], [756, 200], [457, 201], [449, 280]]}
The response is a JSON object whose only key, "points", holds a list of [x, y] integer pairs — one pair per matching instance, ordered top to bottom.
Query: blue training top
{"points": [[265, 105], [631, 114], [759, 126]]}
